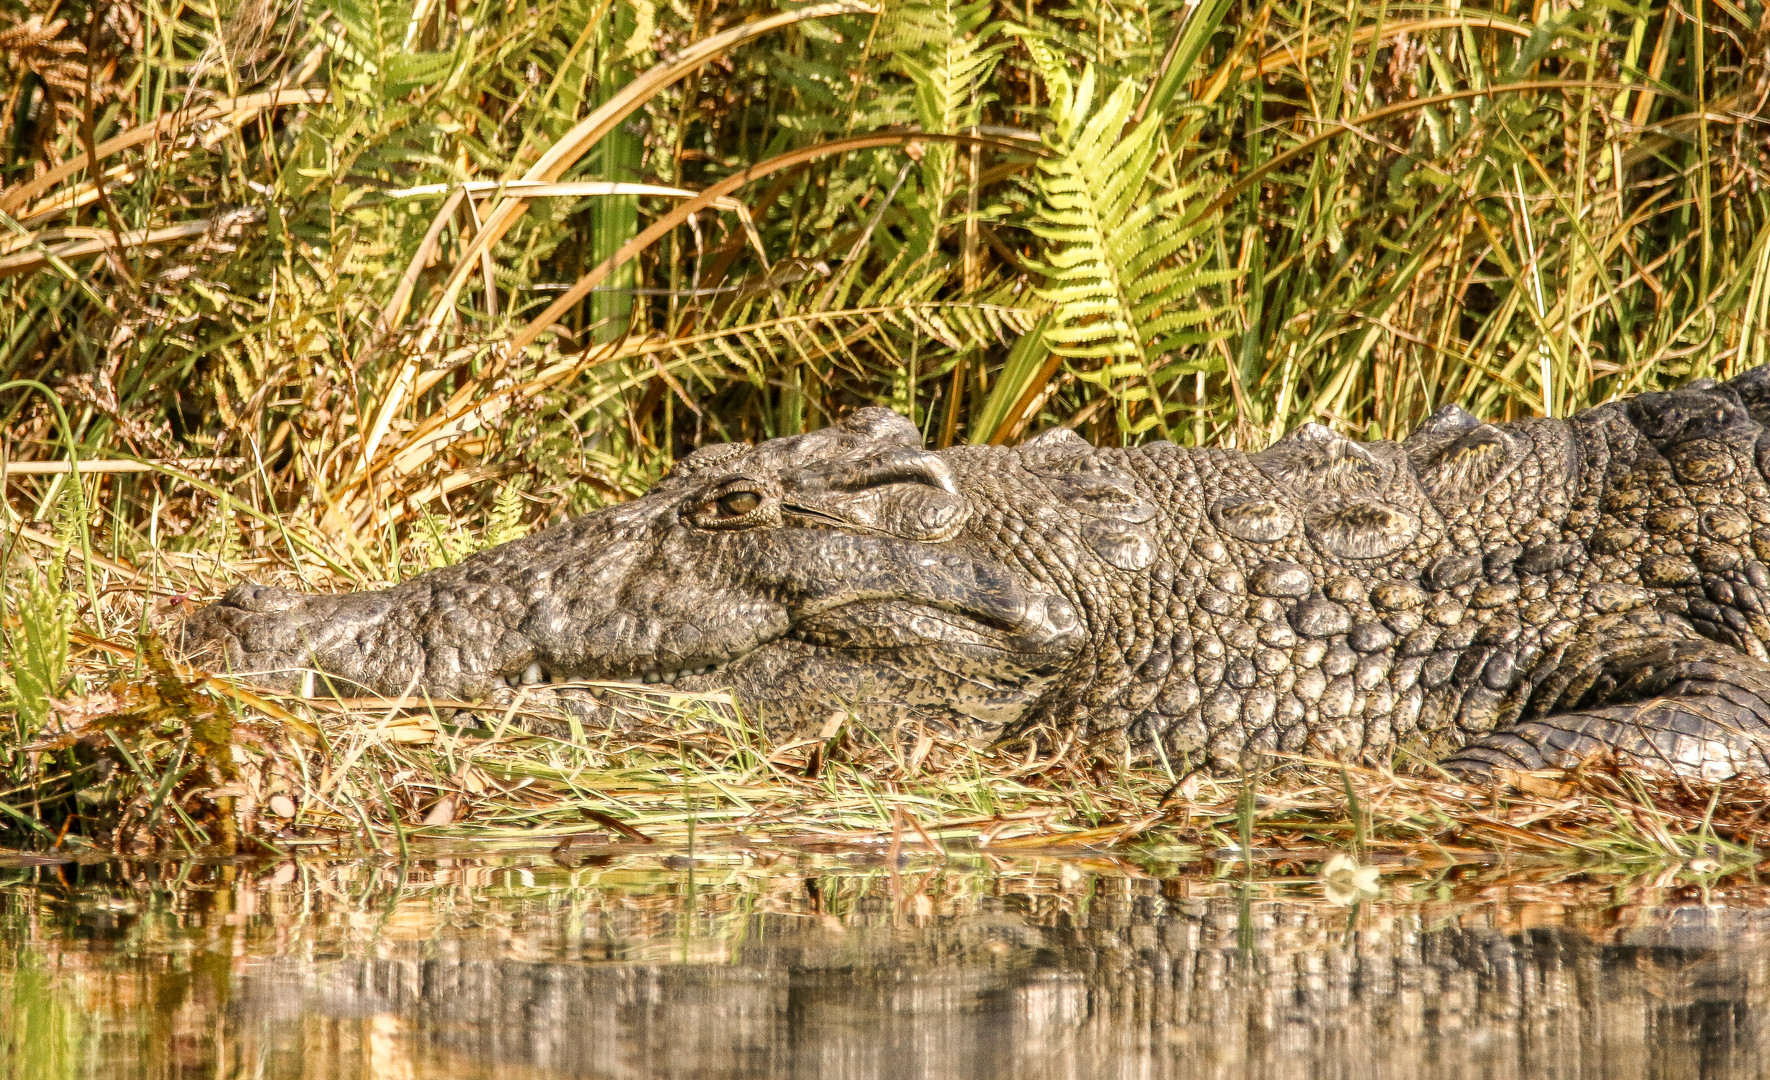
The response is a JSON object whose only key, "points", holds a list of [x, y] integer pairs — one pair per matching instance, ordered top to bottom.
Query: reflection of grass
{"points": [[44, 1033]]}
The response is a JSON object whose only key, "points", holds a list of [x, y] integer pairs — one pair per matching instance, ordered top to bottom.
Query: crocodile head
{"points": [[833, 570]]}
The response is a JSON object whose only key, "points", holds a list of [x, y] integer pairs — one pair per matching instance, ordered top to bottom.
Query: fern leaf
{"points": [[1122, 290]]}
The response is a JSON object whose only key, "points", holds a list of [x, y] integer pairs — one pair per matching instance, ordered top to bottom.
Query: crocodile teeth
{"points": [[533, 675]]}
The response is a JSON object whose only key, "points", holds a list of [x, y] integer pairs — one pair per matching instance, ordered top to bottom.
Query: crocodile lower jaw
{"points": [[895, 625]]}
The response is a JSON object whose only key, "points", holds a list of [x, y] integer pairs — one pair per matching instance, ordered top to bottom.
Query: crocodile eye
{"points": [[735, 504], [734, 508]]}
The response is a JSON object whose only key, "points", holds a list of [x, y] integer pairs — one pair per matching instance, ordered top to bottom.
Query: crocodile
{"points": [[1476, 596]]}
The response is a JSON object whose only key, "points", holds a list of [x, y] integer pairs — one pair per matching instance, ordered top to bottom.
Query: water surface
{"points": [[786, 962]]}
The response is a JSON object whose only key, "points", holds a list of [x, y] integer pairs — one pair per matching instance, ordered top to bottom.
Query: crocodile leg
{"points": [[1689, 708]]}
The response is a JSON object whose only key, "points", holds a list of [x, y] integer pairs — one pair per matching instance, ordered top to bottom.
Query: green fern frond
{"points": [[948, 51], [1118, 274], [956, 325], [506, 523], [436, 542], [38, 620], [37, 669]]}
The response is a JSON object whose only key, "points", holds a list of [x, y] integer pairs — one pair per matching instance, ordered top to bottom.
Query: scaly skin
{"points": [[1518, 595]]}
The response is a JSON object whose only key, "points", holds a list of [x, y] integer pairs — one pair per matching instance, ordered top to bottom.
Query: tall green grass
{"points": [[1205, 221]]}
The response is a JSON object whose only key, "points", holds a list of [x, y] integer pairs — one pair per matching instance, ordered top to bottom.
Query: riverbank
{"points": [[145, 757]]}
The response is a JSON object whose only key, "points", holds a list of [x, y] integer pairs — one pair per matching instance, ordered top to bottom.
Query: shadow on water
{"points": [[792, 963]]}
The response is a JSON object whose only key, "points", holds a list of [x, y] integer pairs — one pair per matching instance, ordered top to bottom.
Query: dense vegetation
{"points": [[1202, 221], [368, 284]]}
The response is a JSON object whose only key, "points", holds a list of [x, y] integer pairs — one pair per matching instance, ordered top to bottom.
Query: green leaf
{"points": [[1120, 270]]}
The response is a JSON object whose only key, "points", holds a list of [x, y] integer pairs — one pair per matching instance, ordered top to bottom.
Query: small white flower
{"points": [[1346, 881]]}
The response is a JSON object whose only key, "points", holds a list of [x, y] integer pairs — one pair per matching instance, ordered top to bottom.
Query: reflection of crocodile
{"points": [[1516, 594], [766, 962], [1127, 983]]}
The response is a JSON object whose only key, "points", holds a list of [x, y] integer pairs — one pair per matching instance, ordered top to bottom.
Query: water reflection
{"points": [[794, 964]]}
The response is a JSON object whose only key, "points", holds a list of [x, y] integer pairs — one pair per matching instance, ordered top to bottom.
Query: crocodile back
{"points": [[1678, 506], [1348, 599]]}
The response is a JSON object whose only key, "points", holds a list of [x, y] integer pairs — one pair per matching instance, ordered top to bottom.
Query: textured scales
{"points": [[1513, 595]]}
